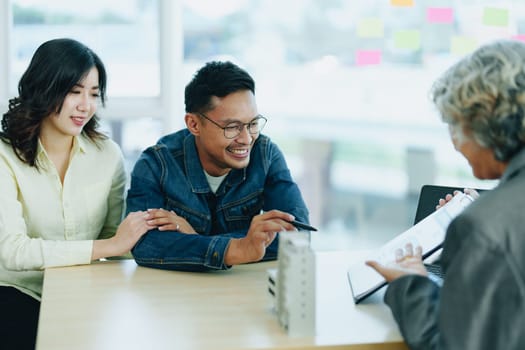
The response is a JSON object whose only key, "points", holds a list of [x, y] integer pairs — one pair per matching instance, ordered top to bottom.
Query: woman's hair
{"points": [[56, 67], [484, 96]]}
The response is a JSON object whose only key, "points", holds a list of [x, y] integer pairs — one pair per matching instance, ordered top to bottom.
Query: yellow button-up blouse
{"points": [[44, 223]]}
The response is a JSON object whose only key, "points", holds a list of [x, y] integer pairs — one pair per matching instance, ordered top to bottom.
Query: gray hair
{"points": [[483, 95]]}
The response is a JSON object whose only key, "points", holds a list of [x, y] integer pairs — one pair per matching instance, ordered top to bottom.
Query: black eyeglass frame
{"points": [[238, 125]]}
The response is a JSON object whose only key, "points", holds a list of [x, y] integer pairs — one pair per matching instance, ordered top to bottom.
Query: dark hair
{"points": [[55, 68], [215, 79]]}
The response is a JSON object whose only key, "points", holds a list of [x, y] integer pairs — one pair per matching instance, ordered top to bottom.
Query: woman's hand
{"points": [[166, 220], [130, 230]]}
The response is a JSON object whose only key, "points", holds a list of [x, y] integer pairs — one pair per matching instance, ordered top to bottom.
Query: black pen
{"points": [[298, 224], [303, 226]]}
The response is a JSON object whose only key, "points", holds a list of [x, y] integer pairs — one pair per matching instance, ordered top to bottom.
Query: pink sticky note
{"points": [[440, 15], [519, 37], [367, 57]]}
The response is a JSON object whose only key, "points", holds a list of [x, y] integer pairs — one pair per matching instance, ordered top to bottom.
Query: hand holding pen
{"points": [[301, 226], [262, 232]]}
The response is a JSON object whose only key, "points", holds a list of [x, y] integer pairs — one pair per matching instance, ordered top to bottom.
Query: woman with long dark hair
{"points": [[62, 182]]}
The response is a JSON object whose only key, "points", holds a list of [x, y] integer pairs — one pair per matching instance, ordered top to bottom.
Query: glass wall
{"points": [[125, 33], [344, 84], [345, 87]]}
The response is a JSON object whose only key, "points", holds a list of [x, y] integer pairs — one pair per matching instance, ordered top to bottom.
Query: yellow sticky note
{"points": [[402, 2], [498, 17], [370, 28], [407, 39], [462, 45]]}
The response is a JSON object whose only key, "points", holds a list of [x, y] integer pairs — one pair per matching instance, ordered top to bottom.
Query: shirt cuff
{"points": [[216, 251], [67, 253], [436, 279]]}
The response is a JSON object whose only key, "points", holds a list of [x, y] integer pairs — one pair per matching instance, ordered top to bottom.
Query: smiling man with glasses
{"points": [[218, 191]]}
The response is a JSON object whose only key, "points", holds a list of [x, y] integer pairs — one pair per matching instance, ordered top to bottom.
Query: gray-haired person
{"points": [[481, 304]]}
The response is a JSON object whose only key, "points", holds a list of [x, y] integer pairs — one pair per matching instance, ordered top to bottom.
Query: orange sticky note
{"points": [[402, 2]]}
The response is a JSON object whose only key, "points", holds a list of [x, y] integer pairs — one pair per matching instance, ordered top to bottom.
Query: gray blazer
{"points": [[482, 302]]}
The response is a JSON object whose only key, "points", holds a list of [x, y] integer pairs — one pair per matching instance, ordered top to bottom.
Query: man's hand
{"points": [[263, 230], [406, 263]]}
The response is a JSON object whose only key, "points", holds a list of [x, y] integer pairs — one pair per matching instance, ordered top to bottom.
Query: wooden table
{"points": [[119, 305]]}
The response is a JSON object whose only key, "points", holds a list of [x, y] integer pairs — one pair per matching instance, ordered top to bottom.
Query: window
{"points": [[124, 33], [126, 36], [354, 75], [344, 84]]}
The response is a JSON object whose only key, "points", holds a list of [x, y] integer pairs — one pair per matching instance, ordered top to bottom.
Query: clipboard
{"points": [[428, 233]]}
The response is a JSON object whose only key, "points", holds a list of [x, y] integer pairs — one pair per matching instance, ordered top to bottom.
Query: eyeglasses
{"points": [[234, 129]]}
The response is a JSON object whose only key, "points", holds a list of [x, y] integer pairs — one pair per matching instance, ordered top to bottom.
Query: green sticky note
{"points": [[495, 17], [370, 28], [407, 39], [462, 45]]}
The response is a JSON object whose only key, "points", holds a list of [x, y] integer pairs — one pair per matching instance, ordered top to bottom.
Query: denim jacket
{"points": [[169, 175]]}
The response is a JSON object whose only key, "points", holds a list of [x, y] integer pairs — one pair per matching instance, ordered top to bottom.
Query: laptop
{"points": [[429, 196], [426, 205]]}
